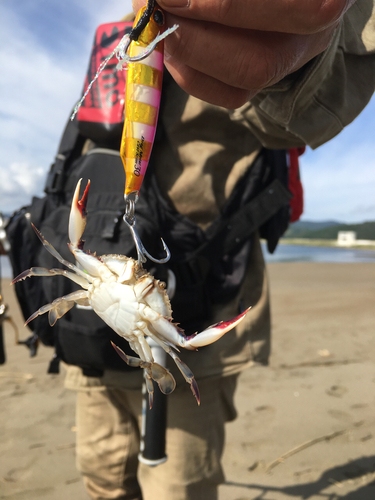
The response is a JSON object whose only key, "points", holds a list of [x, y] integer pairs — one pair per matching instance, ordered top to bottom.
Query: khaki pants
{"points": [[108, 424]]}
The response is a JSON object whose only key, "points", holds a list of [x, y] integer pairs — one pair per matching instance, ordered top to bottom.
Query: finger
{"points": [[138, 4], [289, 16], [244, 59], [205, 87]]}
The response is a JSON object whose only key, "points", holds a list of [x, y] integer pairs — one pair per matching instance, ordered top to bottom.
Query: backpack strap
{"points": [[70, 148], [254, 214], [232, 230]]}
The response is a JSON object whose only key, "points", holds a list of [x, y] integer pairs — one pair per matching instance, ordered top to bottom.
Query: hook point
{"points": [[143, 254]]}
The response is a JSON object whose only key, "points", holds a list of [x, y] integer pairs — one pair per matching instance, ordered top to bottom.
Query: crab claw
{"points": [[78, 216], [212, 333]]}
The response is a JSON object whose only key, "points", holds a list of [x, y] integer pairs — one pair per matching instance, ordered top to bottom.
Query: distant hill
{"points": [[328, 230]]}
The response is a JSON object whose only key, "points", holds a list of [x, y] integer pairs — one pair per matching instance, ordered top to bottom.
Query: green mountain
{"points": [[328, 230]]}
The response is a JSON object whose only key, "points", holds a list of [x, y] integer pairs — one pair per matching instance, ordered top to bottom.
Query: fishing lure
{"points": [[141, 53], [143, 93]]}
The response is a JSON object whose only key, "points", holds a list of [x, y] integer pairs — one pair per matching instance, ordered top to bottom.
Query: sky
{"points": [[44, 52]]}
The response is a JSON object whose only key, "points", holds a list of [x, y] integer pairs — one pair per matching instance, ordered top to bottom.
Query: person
{"points": [[245, 74]]}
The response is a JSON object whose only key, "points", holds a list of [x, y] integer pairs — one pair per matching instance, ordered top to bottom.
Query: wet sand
{"points": [[306, 424]]}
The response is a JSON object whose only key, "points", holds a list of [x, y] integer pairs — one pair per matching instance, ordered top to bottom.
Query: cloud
{"points": [[48, 46], [339, 177], [19, 183]]}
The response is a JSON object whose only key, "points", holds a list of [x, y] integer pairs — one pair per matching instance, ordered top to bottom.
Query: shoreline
{"points": [[361, 245]]}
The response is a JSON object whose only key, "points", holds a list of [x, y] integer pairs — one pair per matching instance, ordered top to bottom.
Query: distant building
{"points": [[346, 238]]}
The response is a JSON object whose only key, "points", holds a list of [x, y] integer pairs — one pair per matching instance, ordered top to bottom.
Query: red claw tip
{"points": [[81, 204], [225, 324]]}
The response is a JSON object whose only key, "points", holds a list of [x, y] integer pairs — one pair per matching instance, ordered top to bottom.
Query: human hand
{"points": [[226, 51]]}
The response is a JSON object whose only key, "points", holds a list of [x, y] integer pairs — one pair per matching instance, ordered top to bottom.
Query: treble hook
{"points": [[143, 254]]}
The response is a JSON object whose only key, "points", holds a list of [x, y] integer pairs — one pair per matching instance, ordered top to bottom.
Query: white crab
{"points": [[131, 301]]}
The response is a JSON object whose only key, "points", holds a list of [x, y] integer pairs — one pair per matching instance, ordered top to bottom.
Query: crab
{"points": [[128, 299]]}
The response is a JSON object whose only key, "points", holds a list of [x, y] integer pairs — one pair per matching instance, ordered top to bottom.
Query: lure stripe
{"points": [[154, 60], [144, 75], [143, 93], [142, 113], [140, 131], [133, 149]]}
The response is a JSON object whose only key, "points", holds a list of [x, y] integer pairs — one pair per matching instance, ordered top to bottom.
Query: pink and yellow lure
{"points": [[141, 54], [142, 58], [142, 101]]}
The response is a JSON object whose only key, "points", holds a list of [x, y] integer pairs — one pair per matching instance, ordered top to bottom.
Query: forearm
{"points": [[318, 101]]}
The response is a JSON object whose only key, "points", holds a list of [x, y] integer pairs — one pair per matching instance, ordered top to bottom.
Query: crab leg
{"points": [[59, 257], [42, 271], [59, 306], [175, 336], [144, 350], [139, 363], [184, 369], [154, 371], [188, 375]]}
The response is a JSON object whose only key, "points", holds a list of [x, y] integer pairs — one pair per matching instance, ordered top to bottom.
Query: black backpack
{"points": [[208, 265]]}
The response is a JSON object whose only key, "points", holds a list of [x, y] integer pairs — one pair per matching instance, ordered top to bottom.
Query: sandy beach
{"points": [[306, 424]]}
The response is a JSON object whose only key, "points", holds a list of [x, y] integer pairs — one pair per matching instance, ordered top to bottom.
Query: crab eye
{"points": [[159, 17]]}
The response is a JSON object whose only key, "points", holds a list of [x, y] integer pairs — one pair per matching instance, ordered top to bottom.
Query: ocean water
{"points": [[283, 253], [302, 253], [5, 267]]}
